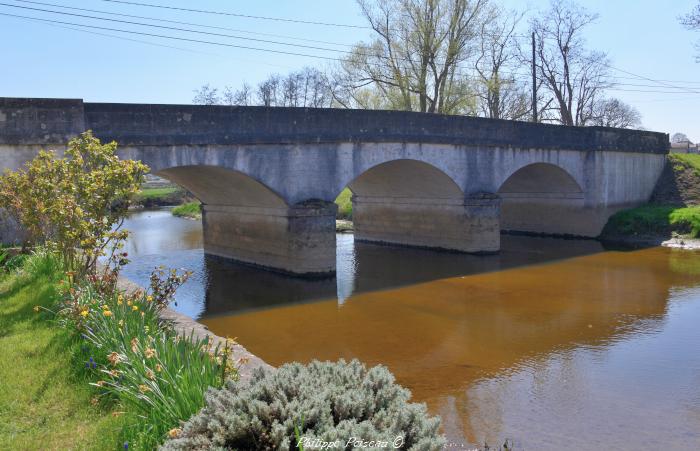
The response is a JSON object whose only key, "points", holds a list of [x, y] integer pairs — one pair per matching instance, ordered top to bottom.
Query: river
{"points": [[555, 344]]}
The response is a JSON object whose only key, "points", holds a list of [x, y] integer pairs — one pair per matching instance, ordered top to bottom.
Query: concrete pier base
{"points": [[463, 225], [299, 240]]}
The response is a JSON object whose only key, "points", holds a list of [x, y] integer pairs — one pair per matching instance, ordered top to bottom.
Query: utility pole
{"points": [[534, 81]]}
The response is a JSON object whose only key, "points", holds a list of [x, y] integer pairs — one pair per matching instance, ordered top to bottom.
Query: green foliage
{"points": [[685, 160], [168, 195], [344, 202], [75, 203], [188, 210], [654, 220], [132, 357], [323, 401], [42, 404]]}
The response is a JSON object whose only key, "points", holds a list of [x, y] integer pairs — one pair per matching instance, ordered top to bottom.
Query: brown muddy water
{"points": [[555, 344]]}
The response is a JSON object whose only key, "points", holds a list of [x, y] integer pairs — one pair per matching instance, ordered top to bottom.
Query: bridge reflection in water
{"points": [[557, 344]]}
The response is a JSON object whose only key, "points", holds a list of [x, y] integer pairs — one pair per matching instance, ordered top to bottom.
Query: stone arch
{"points": [[405, 178], [215, 185], [543, 198], [413, 203]]}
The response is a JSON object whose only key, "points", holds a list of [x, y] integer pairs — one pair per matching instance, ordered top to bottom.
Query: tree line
{"points": [[461, 57]]}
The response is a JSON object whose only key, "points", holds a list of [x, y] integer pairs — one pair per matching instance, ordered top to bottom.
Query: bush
{"points": [[344, 202], [76, 203], [188, 210], [654, 220], [123, 347], [308, 404]]}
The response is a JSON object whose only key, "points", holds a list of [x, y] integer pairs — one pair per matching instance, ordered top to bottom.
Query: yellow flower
{"points": [[149, 298], [128, 302], [36, 308], [135, 308], [84, 313], [107, 313], [143, 314], [121, 323], [149, 353], [113, 358], [144, 388], [174, 433]]}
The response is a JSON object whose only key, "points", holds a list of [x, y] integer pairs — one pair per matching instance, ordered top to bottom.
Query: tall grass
{"points": [[131, 356]]}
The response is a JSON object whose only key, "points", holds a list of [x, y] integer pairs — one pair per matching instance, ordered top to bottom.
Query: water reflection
{"points": [[557, 344]]}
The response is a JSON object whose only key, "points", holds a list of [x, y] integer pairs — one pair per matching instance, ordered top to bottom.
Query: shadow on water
{"points": [[363, 267], [220, 286]]}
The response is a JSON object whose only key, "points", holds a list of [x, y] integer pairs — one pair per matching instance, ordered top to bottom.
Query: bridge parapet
{"points": [[46, 121]]}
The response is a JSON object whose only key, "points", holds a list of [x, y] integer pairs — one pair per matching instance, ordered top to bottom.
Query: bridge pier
{"points": [[464, 225], [298, 239]]}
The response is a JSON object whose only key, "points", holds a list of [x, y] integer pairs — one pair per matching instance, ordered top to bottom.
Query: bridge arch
{"points": [[404, 178], [217, 185], [543, 198]]}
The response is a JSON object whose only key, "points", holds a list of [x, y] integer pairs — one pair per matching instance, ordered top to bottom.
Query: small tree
{"points": [[77, 203]]}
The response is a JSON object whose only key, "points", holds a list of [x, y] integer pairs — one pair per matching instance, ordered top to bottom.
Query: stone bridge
{"points": [[267, 177]]}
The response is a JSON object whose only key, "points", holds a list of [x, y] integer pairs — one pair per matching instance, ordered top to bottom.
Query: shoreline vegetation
{"points": [[671, 218], [88, 364]]}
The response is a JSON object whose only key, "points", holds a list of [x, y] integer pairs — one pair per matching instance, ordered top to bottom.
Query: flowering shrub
{"points": [[77, 203], [158, 377], [319, 405]]}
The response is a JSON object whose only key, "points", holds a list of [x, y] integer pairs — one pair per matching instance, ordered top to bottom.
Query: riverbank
{"points": [[42, 404]]}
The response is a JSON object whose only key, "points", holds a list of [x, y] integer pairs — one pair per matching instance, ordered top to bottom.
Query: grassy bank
{"points": [[689, 160], [156, 197], [344, 202], [188, 210], [654, 221], [43, 404]]}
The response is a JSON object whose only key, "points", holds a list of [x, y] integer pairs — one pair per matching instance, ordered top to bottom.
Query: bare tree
{"points": [[692, 22], [413, 62], [573, 77], [268, 91], [206, 95], [501, 95], [240, 97], [615, 113], [679, 138]]}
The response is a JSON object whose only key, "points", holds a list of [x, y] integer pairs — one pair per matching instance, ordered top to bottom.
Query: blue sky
{"points": [[642, 37]]}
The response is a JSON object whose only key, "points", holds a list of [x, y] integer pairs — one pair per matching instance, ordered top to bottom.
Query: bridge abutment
{"points": [[464, 225], [297, 240]]}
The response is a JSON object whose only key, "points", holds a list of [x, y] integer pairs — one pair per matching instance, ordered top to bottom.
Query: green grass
{"points": [[688, 160], [151, 197], [344, 202], [188, 210], [655, 220], [43, 405]]}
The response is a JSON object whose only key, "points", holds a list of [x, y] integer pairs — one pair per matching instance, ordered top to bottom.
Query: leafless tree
{"points": [[692, 22], [413, 62], [574, 77], [268, 93], [206, 95], [501, 95], [240, 97], [615, 113], [679, 138]]}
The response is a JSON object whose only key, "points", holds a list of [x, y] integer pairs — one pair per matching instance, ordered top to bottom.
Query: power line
{"points": [[247, 16], [214, 27], [187, 30], [222, 44], [680, 89]]}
